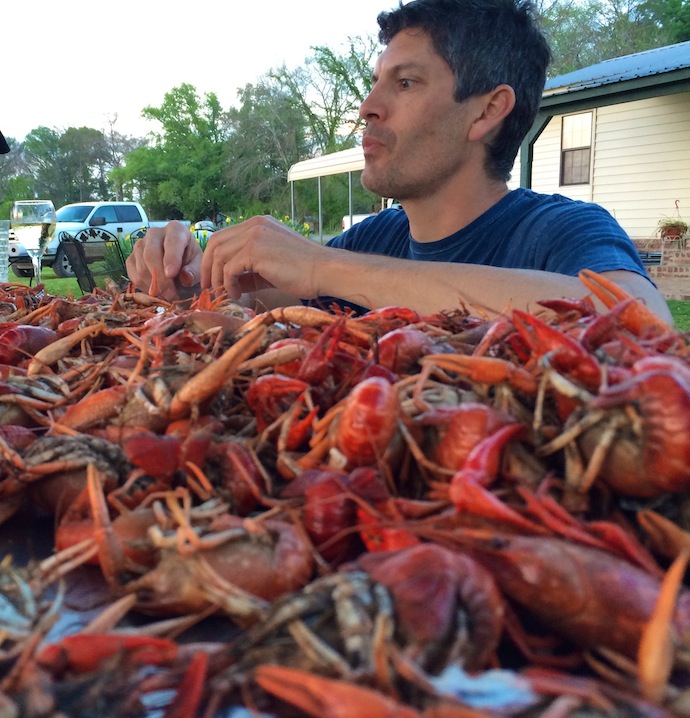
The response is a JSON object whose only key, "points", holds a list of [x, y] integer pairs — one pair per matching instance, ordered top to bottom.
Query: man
{"points": [[455, 91]]}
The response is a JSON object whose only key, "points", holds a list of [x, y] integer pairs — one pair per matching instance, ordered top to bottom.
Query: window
{"points": [[576, 148], [107, 211], [73, 213], [128, 213]]}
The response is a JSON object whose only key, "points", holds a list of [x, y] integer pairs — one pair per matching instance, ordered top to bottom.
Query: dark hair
{"points": [[486, 43]]}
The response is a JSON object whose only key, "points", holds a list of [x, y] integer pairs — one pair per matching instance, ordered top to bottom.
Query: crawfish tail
{"points": [[215, 374], [587, 595]]}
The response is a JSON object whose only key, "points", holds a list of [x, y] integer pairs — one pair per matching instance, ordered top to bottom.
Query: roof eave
{"points": [[578, 98]]}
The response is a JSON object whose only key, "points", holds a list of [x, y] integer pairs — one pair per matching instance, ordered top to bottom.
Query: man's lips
{"points": [[371, 144]]}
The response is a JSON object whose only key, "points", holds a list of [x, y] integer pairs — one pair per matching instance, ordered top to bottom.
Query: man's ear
{"points": [[497, 105]]}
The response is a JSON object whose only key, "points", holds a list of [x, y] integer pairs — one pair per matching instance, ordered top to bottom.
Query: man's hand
{"points": [[261, 253], [171, 254]]}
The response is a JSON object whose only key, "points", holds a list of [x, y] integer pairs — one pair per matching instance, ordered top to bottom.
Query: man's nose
{"points": [[371, 106]]}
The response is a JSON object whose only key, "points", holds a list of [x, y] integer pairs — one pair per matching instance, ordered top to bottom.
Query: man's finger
{"points": [[189, 276]]}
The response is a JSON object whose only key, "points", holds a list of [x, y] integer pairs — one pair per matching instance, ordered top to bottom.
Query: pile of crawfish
{"points": [[307, 513]]}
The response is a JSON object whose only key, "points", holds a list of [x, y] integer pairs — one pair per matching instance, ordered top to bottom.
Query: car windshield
{"points": [[75, 213]]}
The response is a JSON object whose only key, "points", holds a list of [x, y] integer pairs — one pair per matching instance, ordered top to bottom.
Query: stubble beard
{"points": [[394, 181], [400, 185]]}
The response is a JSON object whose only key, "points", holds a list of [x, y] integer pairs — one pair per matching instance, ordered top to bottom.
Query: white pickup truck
{"points": [[95, 220], [348, 220]]}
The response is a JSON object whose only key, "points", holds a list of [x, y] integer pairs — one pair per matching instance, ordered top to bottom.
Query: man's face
{"points": [[415, 139]]}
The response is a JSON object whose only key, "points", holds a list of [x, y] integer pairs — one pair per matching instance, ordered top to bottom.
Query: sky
{"points": [[90, 63]]}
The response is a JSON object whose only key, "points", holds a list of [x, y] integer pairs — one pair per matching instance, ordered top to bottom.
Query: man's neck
{"points": [[448, 211]]}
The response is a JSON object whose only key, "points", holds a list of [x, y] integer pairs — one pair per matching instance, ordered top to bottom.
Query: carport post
{"points": [[349, 194], [292, 200], [320, 214]]}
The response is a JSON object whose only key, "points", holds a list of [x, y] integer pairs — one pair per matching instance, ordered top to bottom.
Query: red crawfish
{"points": [[636, 318], [386, 319], [22, 341], [400, 349], [558, 349], [485, 370], [277, 399], [368, 422], [361, 427], [456, 430], [644, 430], [224, 466], [233, 473], [469, 489], [342, 511], [329, 512], [206, 556], [431, 587], [584, 594], [426, 606], [88, 652], [322, 697]]}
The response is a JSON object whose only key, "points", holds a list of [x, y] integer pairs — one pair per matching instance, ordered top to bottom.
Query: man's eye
{"points": [[404, 83]]}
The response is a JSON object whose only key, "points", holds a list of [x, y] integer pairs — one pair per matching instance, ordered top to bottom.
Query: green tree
{"points": [[673, 16], [571, 28], [626, 29], [582, 33], [329, 89], [83, 151], [43, 157], [181, 175], [16, 181], [11, 189]]}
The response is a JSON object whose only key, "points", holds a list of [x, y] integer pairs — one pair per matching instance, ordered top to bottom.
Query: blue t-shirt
{"points": [[524, 230]]}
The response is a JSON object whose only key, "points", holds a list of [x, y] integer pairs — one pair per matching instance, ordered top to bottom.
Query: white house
{"points": [[616, 133]]}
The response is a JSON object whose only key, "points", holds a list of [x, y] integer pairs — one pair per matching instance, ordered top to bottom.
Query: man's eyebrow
{"points": [[400, 68]]}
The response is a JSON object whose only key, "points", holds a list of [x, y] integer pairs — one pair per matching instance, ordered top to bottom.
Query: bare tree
{"points": [[330, 89]]}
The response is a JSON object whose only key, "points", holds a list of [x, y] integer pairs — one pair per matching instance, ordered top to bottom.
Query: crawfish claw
{"points": [[636, 317], [326, 698]]}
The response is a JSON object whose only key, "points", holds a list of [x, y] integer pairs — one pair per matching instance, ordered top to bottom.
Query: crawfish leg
{"points": [[655, 656]]}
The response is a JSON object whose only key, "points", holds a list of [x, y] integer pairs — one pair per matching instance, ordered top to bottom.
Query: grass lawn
{"points": [[54, 285], [63, 287], [681, 314]]}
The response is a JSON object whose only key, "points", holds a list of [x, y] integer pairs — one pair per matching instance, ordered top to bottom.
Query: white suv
{"points": [[89, 220]]}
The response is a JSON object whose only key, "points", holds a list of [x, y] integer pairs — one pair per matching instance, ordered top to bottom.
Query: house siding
{"points": [[641, 161], [546, 166], [514, 181]]}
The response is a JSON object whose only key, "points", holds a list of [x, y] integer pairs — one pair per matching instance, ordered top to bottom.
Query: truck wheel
{"points": [[62, 266], [21, 271]]}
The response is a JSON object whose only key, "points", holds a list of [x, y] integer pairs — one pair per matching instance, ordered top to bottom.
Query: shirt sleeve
{"points": [[588, 238]]}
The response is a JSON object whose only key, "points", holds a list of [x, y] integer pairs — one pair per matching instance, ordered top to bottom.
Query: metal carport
{"points": [[335, 163]]}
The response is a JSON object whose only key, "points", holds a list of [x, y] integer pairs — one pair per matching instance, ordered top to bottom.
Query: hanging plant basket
{"points": [[671, 229]]}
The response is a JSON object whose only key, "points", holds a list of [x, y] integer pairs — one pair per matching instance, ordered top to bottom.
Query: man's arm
{"points": [[263, 255], [427, 287]]}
